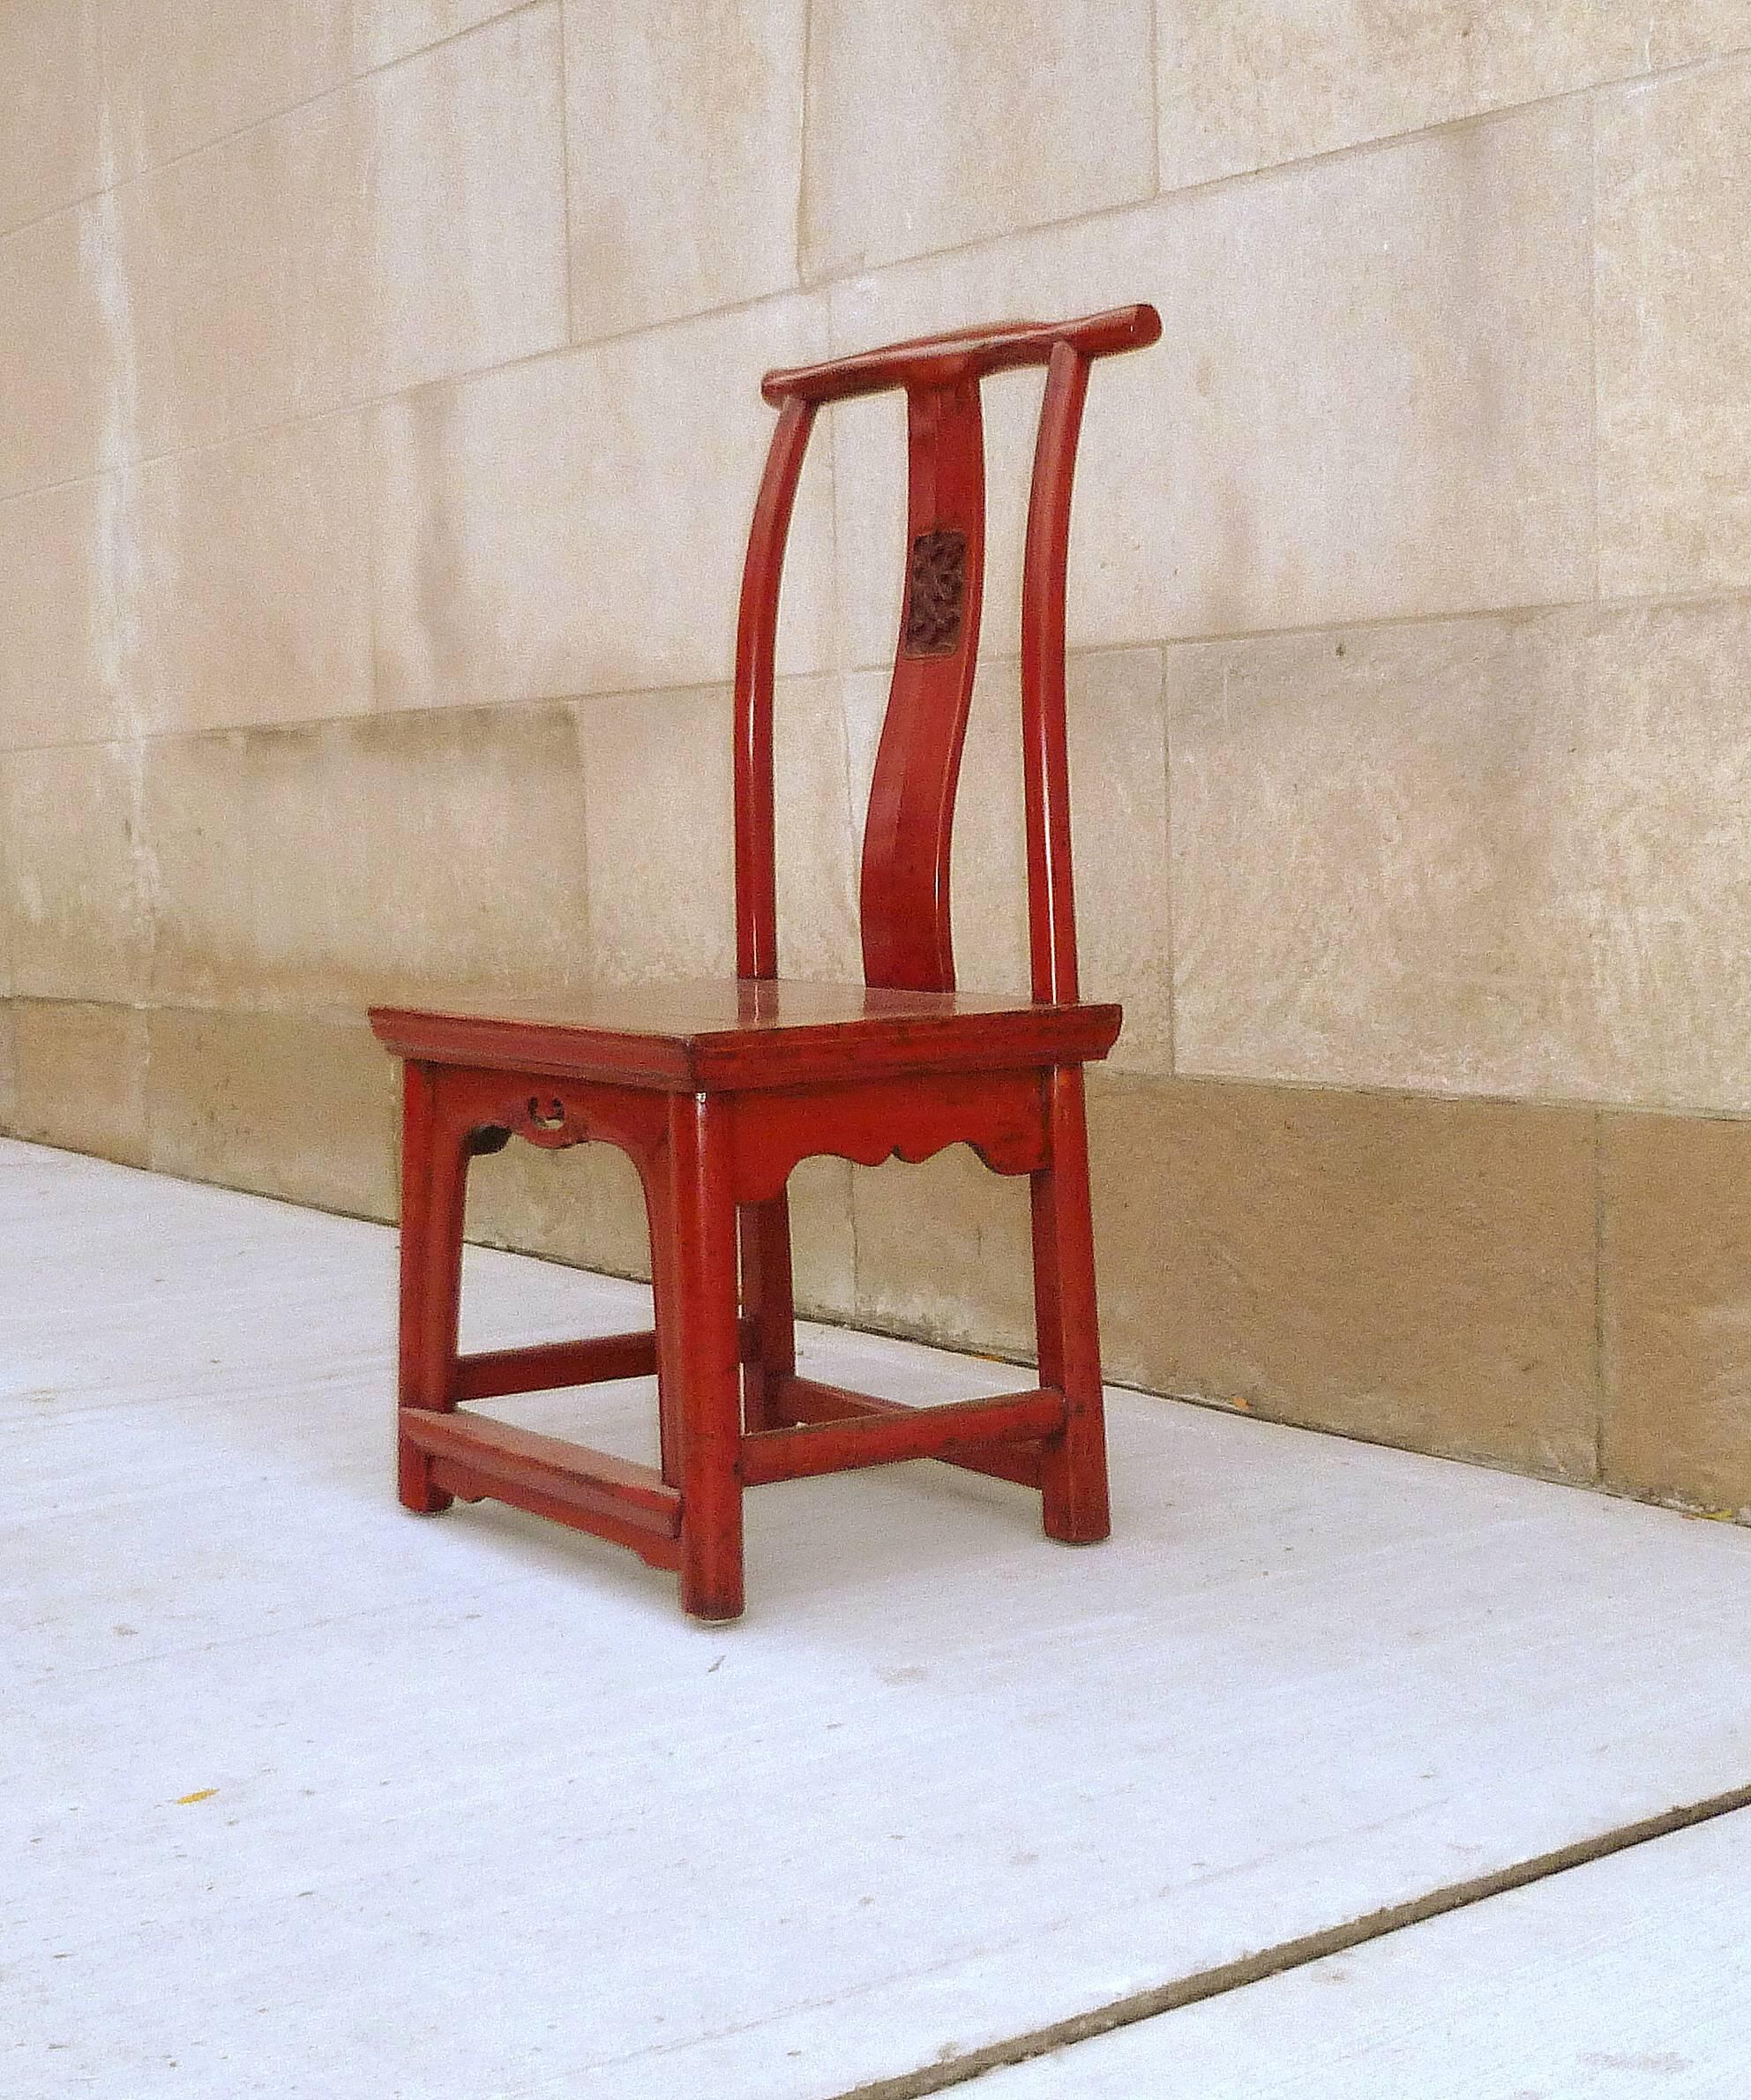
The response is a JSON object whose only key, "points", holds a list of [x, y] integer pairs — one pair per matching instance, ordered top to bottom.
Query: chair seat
{"points": [[731, 1034]]}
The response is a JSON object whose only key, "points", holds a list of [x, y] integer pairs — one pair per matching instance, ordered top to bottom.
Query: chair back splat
{"points": [[904, 899]]}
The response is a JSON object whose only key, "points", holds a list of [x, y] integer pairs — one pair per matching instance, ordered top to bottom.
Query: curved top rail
{"points": [[962, 354]]}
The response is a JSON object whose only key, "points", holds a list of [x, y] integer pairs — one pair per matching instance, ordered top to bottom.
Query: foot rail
{"points": [[489, 1373], [806, 1400], [889, 1434], [474, 1456]]}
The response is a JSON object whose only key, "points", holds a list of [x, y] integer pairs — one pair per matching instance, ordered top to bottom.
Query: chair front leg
{"points": [[434, 1184], [692, 1213], [1074, 1465]]}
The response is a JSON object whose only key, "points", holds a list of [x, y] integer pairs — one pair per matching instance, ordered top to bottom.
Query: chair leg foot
{"points": [[414, 1482], [1075, 1507], [1075, 1520], [711, 1562], [710, 1609]]}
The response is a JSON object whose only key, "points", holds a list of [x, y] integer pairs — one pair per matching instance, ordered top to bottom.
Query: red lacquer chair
{"points": [[718, 1091]]}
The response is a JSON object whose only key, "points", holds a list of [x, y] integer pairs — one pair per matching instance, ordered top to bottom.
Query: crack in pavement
{"points": [[1292, 1953]]}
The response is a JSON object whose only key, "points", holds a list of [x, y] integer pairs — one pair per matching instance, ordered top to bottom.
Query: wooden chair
{"points": [[718, 1091]]}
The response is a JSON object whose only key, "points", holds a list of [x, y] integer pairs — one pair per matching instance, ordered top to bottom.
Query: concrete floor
{"points": [[307, 1796]]}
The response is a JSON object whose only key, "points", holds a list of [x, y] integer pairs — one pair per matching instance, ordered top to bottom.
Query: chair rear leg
{"points": [[434, 1178], [692, 1218], [768, 1302], [1074, 1471]]}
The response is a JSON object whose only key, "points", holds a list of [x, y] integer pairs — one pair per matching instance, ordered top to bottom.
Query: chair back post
{"points": [[756, 649], [1045, 759]]}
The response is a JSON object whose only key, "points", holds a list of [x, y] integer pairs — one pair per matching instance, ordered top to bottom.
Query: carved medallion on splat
{"points": [[935, 594]]}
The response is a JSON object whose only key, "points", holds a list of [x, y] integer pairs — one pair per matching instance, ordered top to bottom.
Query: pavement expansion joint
{"points": [[1295, 1953]]}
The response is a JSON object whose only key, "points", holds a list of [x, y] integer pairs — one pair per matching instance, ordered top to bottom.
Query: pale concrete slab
{"points": [[484, 1815], [1628, 1976]]}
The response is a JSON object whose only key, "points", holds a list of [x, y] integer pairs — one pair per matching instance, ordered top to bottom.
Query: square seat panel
{"points": [[728, 1034]]}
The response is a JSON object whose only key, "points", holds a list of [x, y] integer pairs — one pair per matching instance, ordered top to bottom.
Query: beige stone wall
{"points": [[380, 428]]}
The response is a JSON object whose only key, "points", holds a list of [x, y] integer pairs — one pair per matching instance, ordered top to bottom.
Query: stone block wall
{"points": [[380, 427]]}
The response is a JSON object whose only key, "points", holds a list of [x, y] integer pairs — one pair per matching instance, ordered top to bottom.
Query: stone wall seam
{"points": [[1715, 60], [1649, 74], [350, 79], [1156, 115], [1386, 141], [566, 181], [800, 243], [1593, 333], [364, 404], [1170, 958], [1603, 1370]]}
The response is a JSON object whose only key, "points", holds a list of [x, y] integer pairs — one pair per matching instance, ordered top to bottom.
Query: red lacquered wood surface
{"points": [[963, 353], [756, 650], [1045, 758], [907, 939], [734, 1034], [716, 1091], [769, 1327], [699, 1357], [550, 1365], [806, 1399], [885, 1439], [563, 1472]]}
